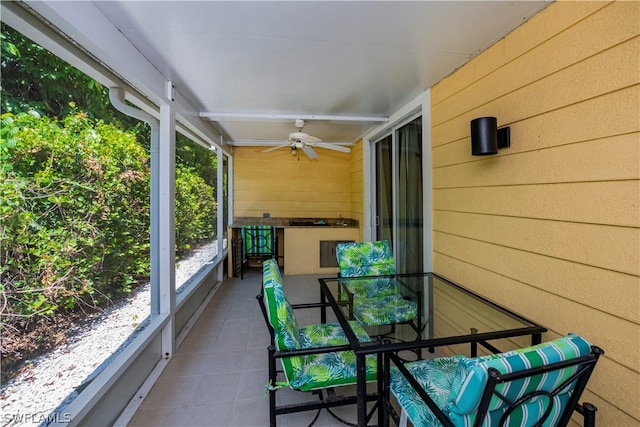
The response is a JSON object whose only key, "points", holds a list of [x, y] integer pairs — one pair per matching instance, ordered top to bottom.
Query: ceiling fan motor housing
{"points": [[297, 137]]}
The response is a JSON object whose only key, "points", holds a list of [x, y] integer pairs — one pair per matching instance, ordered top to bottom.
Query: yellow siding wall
{"points": [[291, 186], [551, 226]]}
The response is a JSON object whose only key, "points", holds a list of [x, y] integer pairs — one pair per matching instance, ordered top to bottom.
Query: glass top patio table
{"points": [[446, 313]]}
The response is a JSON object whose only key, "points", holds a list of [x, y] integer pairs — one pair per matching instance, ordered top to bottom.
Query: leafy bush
{"points": [[34, 79], [74, 198], [195, 209], [74, 213]]}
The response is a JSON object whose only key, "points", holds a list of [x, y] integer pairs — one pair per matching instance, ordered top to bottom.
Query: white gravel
{"points": [[53, 380]]}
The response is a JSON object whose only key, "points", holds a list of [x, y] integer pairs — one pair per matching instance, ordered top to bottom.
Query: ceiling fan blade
{"points": [[311, 139], [258, 142], [333, 147], [275, 148], [309, 152]]}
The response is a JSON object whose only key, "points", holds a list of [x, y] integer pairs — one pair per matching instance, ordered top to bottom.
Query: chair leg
{"points": [[272, 383], [382, 393], [386, 396], [588, 411]]}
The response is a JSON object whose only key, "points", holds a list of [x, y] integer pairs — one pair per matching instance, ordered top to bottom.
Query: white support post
{"points": [[229, 193], [368, 206], [230, 209], [154, 216], [166, 220], [427, 221], [220, 225]]}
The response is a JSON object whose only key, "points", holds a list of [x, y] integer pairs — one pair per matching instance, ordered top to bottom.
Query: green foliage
{"points": [[33, 79], [197, 158], [196, 177], [74, 189], [195, 209], [74, 212]]}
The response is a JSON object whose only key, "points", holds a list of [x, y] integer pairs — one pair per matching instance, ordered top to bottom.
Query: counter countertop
{"points": [[295, 222]]}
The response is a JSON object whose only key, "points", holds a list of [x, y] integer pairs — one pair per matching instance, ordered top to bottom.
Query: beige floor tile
{"points": [[218, 375]]}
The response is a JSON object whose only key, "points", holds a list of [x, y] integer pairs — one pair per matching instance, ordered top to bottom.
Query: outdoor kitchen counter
{"points": [[240, 222], [302, 240]]}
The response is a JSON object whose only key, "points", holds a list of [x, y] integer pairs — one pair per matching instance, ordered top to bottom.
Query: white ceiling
{"points": [[347, 58]]}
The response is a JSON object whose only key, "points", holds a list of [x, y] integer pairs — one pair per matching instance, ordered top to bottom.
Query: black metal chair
{"points": [[259, 243], [378, 301], [315, 358], [535, 386]]}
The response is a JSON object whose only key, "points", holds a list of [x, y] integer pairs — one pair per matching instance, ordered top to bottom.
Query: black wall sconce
{"points": [[486, 138]]}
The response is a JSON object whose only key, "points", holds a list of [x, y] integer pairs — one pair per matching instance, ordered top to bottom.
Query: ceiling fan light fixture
{"points": [[294, 151]]}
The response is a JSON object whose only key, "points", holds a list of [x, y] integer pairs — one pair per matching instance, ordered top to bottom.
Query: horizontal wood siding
{"points": [[291, 186], [550, 227]]}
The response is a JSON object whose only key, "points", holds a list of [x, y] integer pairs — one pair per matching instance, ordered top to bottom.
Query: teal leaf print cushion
{"points": [[359, 259], [370, 287], [385, 310], [281, 314], [329, 334], [330, 369], [317, 371], [435, 377]]}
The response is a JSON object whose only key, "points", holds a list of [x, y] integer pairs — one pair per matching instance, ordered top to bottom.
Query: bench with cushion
{"points": [[313, 357], [534, 386]]}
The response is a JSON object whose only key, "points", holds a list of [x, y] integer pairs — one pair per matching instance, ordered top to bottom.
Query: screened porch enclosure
{"points": [[548, 227]]}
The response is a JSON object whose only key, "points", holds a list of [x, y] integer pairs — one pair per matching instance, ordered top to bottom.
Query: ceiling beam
{"points": [[289, 116], [275, 142]]}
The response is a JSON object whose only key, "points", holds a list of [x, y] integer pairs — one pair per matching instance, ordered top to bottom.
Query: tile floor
{"points": [[218, 374]]}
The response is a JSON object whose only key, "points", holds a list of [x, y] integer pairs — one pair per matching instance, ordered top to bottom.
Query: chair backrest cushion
{"points": [[258, 240], [357, 259], [279, 309], [282, 318], [471, 379]]}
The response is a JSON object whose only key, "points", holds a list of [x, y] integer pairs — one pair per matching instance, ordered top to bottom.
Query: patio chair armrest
{"points": [[310, 305], [483, 343]]}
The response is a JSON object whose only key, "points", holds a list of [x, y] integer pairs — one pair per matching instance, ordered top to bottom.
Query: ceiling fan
{"points": [[303, 141]]}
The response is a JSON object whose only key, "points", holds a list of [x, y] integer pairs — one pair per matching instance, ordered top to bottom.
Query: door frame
{"points": [[420, 105]]}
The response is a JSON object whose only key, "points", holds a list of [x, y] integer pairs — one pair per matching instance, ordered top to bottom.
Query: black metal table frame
{"points": [[474, 338]]}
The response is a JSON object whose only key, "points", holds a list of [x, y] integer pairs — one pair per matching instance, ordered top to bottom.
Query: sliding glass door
{"points": [[384, 187], [398, 194], [409, 200]]}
